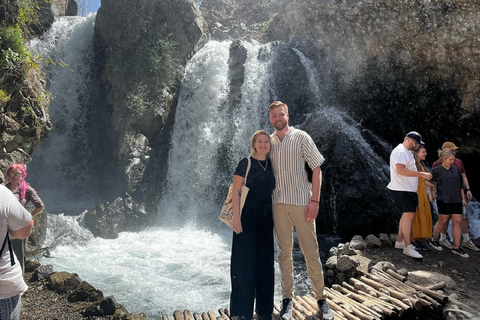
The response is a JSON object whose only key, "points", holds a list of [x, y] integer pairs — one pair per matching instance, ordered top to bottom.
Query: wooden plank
{"points": [[177, 315], [187, 315]]}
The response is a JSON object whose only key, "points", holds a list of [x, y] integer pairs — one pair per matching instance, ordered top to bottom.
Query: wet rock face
{"points": [[142, 48], [394, 66], [24, 121], [110, 218]]}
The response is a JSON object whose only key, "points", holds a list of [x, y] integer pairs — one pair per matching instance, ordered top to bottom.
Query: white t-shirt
{"points": [[398, 182], [13, 216]]}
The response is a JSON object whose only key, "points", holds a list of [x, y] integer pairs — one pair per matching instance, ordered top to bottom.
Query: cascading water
{"points": [[208, 137], [64, 162]]}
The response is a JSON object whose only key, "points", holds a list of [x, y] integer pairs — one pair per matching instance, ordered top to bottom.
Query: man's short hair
{"points": [[276, 104]]}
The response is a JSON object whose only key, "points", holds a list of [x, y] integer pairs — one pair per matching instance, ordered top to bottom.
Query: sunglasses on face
{"points": [[13, 174]]}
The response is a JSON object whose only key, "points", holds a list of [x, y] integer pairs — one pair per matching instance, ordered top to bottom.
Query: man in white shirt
{"points": [[403, 188], [15, 223]]}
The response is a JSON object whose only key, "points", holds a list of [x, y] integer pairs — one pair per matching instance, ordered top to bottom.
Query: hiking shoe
{"points": [[445, 243], [399, 244], [435, 244], [417, 245], [424, 245], [469, 245], [411, 252], [459, 252], [286, 312], [327, 314]]}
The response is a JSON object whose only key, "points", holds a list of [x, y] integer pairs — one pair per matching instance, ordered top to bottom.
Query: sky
{"points": [[90, 6]]}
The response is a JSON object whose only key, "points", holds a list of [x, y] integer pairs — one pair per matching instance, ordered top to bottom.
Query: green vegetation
{"points": [[16, 19], [144, 71]]}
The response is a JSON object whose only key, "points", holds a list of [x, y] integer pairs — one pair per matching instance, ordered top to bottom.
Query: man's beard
{"points": [[280, 126]]}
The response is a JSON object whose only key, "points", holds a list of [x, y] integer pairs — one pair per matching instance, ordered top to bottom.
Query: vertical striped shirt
{"points": [[288, 160]]}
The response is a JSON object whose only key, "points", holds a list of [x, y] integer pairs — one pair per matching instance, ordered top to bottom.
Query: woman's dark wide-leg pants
{"points": [[252, 271]]}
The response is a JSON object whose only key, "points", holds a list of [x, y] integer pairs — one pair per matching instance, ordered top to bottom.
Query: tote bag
{"points": [[226, 214]]}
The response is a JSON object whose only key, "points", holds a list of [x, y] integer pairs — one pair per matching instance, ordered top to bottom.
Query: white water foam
{"points": [[155, 271]]}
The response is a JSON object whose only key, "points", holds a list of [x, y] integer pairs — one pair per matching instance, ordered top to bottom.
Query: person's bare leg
{"points": [[440, 225], [406, 227], [456, 229], [400, 232]]}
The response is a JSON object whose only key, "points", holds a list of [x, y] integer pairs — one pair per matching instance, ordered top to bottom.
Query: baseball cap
{"points": [[415, 136], [449, 145]]}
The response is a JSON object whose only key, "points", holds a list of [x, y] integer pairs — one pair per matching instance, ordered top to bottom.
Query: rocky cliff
{"points": [[142, 49], [394, 65]]}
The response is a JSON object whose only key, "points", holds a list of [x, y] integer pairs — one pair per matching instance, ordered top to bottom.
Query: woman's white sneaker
{"points": [[399, 244], [411, 252]]}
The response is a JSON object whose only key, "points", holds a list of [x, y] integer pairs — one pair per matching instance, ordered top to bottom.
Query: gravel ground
{"points": [[39, 303]]}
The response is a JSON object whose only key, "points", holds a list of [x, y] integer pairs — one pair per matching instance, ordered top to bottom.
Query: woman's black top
{"points": [[260, 182]]}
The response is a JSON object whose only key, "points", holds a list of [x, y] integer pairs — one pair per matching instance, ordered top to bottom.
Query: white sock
{"points": [[443, 236], [466, 237]]}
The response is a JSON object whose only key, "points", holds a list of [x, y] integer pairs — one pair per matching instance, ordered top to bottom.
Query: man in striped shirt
{"points": [[295, 205]]}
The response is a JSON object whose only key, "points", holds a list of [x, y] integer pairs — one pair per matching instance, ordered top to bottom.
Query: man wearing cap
{"points": [[403, 188], [466, 243]]}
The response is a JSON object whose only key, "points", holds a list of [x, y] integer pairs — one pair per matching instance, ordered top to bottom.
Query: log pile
{"points": [[382, 295]]}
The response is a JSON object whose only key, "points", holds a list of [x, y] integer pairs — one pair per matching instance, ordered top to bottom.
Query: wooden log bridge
{"points": [[382, 295]]}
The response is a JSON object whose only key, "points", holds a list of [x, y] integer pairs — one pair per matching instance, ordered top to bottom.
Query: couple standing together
{"points": [[280, 198]]}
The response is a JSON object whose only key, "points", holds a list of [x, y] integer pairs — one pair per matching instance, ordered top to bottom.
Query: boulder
{"points": [[110, 218], [385, 239], [373, 242], [358, 243], [348, 250], [331, 262], [346, 263], [382, 266], [41, 272], [425, 278], [63, 282], [85, 292], [104, 307]]}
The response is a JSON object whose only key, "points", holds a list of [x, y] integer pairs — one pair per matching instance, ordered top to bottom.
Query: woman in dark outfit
{"points": [[450, 199], [252, 271]]}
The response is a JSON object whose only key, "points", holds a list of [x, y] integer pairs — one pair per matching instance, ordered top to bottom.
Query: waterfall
{"points": [[209, 138], [63, 168]]}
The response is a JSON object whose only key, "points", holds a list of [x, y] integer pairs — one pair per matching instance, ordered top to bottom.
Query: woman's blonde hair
{"points": [[254, 140], [445, 153]]}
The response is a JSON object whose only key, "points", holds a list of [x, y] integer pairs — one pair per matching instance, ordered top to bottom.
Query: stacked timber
{"points": [[384, 294]]}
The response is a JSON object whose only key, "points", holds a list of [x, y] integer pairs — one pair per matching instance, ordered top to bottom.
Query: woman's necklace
{"points": [[266, 165]]}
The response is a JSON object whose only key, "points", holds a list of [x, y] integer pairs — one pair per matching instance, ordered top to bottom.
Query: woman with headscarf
{"points": [[24, 193]]}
